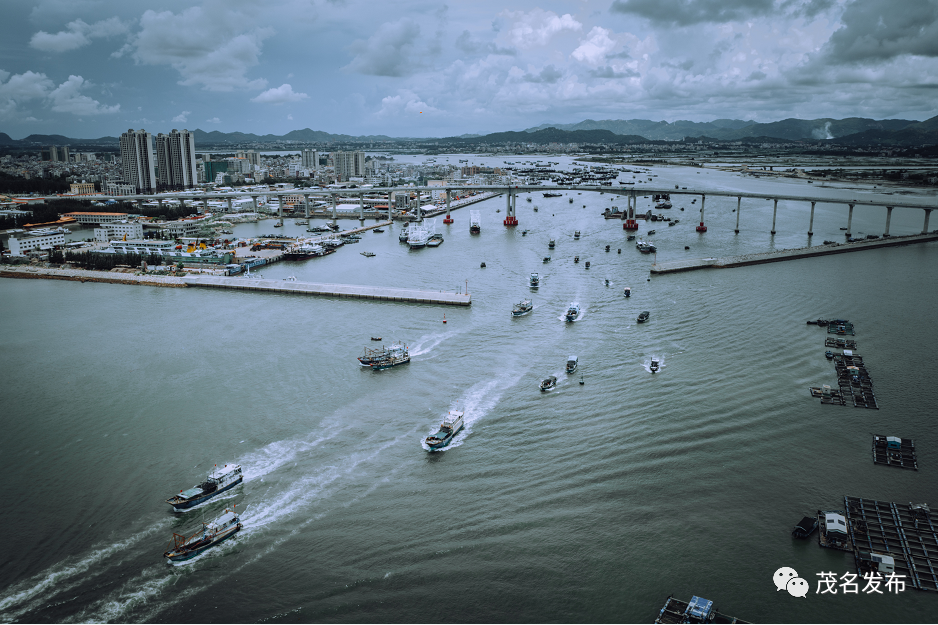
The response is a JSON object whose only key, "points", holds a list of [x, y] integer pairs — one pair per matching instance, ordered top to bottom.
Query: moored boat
{"points": [[523, 307], [573, 312], [548, 383], [452, 424], [217, 482], [210, 535]]}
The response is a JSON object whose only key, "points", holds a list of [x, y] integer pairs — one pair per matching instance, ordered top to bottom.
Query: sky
{"points": [[419, 68]]}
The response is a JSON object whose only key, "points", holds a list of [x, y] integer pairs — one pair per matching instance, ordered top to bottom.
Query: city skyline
{"points": [[84, 69]]}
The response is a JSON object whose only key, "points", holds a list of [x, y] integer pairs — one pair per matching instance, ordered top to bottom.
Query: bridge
{"points": [[511, 192]]}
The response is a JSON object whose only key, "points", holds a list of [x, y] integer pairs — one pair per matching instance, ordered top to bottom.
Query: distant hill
{"points": [[734, 129], [549, 135]]}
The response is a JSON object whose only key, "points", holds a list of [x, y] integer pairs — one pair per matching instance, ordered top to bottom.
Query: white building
{"points": [[175, 155], [310, 159], [348, 165], [113, 188], [88, 217], [179, 229], [119, 230], [21, 246], [141, 246]]}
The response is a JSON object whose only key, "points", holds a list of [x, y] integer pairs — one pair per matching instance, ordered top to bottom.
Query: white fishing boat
{"points": [[522, 308], [573, 312], [452, 424]]}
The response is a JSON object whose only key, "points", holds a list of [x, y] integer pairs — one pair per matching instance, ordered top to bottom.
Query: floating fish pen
{"points": [[840, 326], [840, 343], [854, 380], [828, 395], [894, 451], [833, 530], [903, 533], [697, 610]]}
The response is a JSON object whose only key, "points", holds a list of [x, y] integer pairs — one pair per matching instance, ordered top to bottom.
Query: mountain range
{"points": [[850, 131]]}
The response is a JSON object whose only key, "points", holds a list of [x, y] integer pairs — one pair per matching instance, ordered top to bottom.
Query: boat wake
{"points": [[427, 342], [477, 402]]}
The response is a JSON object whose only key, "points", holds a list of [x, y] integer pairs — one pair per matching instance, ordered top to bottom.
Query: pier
{"points": [[781, 255], [352, 291]]}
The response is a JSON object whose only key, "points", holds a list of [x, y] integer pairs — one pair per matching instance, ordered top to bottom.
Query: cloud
{"points": [[688, 12], [538, 27], [877, 30], [78, 34], [470, 45], [595, 47], [212, 49], [389, 51], [608, 71], [548, 75], [279, 95], [66, 98], [406, 103], [290, 117], [182, 118], [214, 120]]}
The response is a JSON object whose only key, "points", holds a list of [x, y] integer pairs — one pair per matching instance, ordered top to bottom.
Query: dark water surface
{"points": [[587, 503]]}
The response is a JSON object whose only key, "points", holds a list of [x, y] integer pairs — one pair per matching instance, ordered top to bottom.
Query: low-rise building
{"points": [[82, 188], [114, 188], [89, 217], [186, 228], [119, 230], [20, 246]]}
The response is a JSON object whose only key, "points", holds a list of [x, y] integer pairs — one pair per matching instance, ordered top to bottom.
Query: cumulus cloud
{"points": [[688, 12], [538, 27], [878, 30], [77, 34], [471, 45], [595, 47], [211, 49], [389, 51], [548, 75], [279, 95], [66, 98], [404, 103], [182, 118], [213, 120]]}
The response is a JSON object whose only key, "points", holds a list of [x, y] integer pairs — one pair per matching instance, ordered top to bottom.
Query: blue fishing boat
{"points": [[452, 424], [217, 482], [211, 534]]}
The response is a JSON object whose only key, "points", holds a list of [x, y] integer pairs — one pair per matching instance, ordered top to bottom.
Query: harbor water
{"points": [[587, 503]]}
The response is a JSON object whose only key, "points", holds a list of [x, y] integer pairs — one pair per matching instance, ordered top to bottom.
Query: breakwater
{"points": [[794, 254]]}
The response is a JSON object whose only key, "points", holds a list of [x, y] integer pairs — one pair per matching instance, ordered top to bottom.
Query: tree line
{"points": [[104, 262]]}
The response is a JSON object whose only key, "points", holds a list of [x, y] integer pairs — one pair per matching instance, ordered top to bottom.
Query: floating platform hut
{"points": [[894, 451], [697, 610]]}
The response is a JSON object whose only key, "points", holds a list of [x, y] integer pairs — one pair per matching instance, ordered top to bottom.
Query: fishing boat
{"points": [[553, 194], [475, 222], [378, 230], [651, 232], [576, 234], [402, 237], [417, 237], [551, 244], [367, 254], [547, 259], [576, 259], [587, 264], [535, 280], [627, 291], [521, 308], [573, 312], [643, 316], [376, 338], [385, 357], [572, 364], [653, 367], [548, 383], [452, 423], [217, 482], [210, 535]]}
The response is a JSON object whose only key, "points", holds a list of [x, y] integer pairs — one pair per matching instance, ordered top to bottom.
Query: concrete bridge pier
{"points": [[254, 199], [739, 201], [160, 203], [229, 204], [204, 205], [306, 205], [361, 207], [280, 208], [419, 208], [335, 214], [774, 214], [927, 215], [448, 219], [511, 219], [888, 219], [849, 221], [811, 223], [702, 227]]}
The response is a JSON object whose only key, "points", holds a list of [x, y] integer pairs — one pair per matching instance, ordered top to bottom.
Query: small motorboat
{"points": [[651, 232], [524, 233], [576, 235], [631, 237], [551, 244], [607, 248], [367, 254], [547, 259], [576, 259], [587, 264], [482, 266], [535, 280], [607, 281], [627, 291], [573, 312], [643, 316], [376, 338], [829, 355], [572, 363], [653, 367], [548, 383], [805, 527]]}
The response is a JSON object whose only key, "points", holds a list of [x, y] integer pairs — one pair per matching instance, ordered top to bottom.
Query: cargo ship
{"points": [[452, 424]]}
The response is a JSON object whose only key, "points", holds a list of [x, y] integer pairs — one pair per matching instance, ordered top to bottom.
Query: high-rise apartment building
{"points": [[58, 154], [175, 157], [253, 157], [310, 160], [137, 163], [348, 165]]}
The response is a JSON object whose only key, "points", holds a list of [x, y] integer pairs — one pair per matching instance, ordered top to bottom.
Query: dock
{"points": [[794, 254], [352, 291], [901, 453], [903, 531], [697, 610]]}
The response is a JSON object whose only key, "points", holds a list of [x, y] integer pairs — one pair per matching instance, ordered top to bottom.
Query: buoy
{"points": [[444, 317]]}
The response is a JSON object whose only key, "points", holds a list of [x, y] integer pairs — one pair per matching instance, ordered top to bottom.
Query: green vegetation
{"points": [[17, 185], [105, 262]]}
